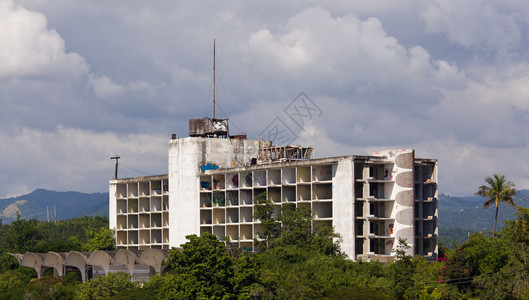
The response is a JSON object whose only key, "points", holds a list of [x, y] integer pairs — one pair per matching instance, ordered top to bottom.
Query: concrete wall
{"points": [[186, 155], [403, 193], [343, 205], [112, 216]]}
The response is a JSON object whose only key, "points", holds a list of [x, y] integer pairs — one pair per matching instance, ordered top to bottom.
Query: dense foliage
{"points": [[66, 235], [23, 236], [293, 261]]}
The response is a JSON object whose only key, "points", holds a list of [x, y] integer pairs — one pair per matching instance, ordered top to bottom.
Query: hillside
{"points": [[67, 204], [468, 212], [459, 216]]}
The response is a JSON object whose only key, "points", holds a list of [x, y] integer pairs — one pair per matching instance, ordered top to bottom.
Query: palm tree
{"points": [[497, 190]]}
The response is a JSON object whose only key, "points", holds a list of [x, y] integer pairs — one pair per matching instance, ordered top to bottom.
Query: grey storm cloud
{"points": [[83, 80]]}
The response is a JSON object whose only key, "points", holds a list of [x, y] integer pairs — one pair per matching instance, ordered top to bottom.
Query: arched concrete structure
{"points": [[18, 257], [127, 258], [154, 258], [102, 259], [34, 260], [55, 260], [79, 260], [140, 264]]}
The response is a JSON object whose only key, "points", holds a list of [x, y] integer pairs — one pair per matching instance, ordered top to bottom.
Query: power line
{"points": [[231, 104], [220, 107], [136, 170], [125, 175]]}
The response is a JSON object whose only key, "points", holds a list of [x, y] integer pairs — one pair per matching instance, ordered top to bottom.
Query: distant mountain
{"points": [[67, 205], [468, 212], [459, 216]]}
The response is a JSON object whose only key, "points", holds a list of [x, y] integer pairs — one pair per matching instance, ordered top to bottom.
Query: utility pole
{"points": [[116, 157]]}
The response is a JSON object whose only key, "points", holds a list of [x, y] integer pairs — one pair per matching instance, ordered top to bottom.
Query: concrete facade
{"points": [[186, 155], [371, 201]]}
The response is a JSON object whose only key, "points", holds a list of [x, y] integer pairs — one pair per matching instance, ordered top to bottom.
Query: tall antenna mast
{"points": [[213, 78]]}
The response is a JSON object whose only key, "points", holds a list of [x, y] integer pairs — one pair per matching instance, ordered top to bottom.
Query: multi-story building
{"points": [[370, 200]]}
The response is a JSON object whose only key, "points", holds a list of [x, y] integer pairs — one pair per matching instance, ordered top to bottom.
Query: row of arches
{"points": [[140, 264]]}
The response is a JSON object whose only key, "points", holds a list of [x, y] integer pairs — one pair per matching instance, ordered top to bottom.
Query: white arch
{"points": [[126, 258], [154, 258], [102, 259], [33, 260], [79, 260], [56, 261], [135, 262]]}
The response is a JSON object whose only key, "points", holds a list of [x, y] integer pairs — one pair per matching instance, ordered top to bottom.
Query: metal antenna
{"points": [[213, 78], [116, 157]]}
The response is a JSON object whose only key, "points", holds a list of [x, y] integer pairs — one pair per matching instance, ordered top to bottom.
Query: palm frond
{"points": [[497, 190], [487, 203]]}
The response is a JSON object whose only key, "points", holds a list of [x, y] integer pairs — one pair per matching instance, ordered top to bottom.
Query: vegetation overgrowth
{"points": [[292, 261]]}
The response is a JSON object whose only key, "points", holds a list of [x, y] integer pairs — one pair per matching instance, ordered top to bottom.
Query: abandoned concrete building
{"points": [[213, 179]]}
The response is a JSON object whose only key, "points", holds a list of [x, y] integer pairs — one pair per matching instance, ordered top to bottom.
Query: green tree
{"points": [[497, 190], [296, 224], [270, 227], [299, 229], [517, 230], [66, 235], [21, 236], [102, 239], [324, 240], [476, 263], [203, 268], [402, 269], [247, 273], [513, 278], [12, 279], [105, 286], [174, 286], [52, 288], [355, 293]]}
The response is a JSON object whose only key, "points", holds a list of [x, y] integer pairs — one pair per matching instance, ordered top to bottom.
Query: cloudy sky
{"points": [[81, 81]]}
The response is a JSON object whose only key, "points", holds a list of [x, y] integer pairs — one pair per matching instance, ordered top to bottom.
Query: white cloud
{"points": [[473, 24], [29, 48], [289, 51], [343, 52], [381, 79], [104, 87], [491, 112], [75, 159], [464, 166]]}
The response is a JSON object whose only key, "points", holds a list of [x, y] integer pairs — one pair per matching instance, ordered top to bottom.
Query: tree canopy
{"points": [[497, 190], [298, 258]]}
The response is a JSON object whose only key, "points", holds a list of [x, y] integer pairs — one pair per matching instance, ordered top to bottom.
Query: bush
{"points": [[105, 286]]}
